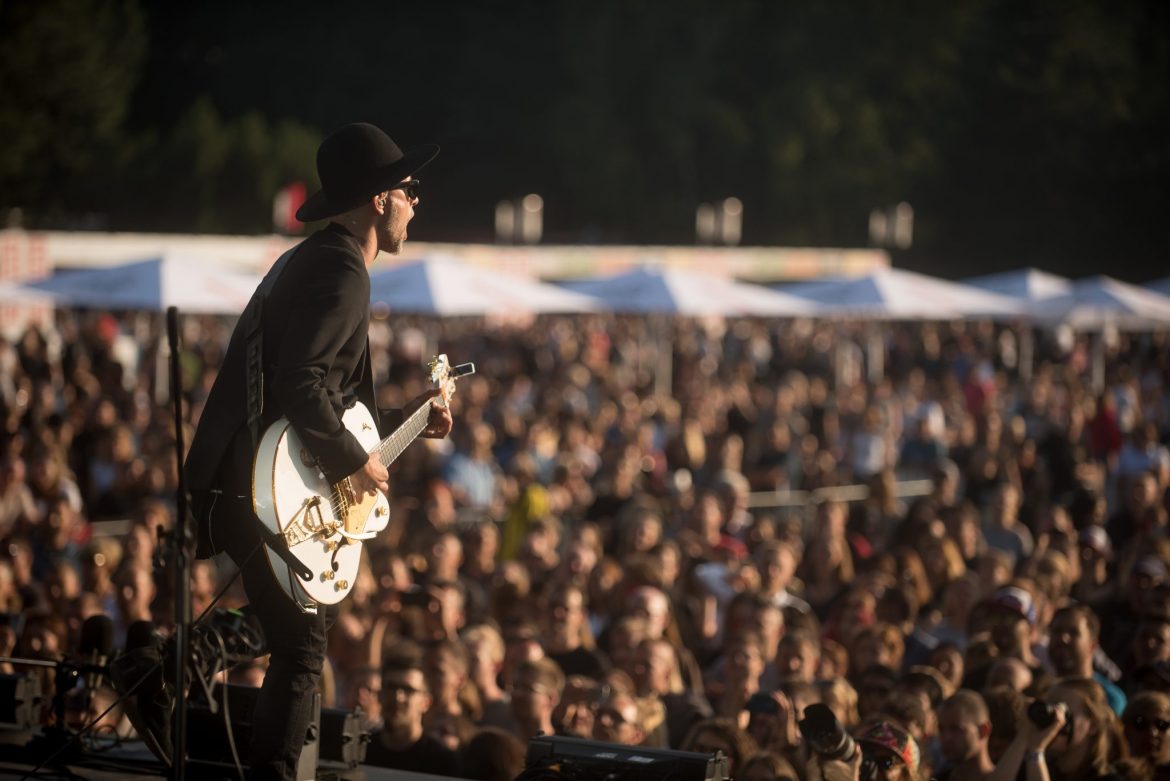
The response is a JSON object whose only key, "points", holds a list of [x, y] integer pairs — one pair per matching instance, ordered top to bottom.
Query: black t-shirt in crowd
{"points": [[426, 756]]}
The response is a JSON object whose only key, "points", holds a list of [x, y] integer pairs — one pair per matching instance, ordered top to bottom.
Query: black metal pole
{"points": [[180, 550]]}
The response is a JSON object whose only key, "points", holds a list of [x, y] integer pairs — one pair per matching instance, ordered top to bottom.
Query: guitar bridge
{"points": [[306, 523]]}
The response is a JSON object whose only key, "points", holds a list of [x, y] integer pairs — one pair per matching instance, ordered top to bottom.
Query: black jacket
{"points": [[316, 362]]}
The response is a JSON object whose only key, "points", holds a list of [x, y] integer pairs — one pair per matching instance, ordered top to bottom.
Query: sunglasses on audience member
{"points": [[1141, 722]]}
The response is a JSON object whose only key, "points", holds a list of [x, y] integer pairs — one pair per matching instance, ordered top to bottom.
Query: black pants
{"points": [[296, 640]]}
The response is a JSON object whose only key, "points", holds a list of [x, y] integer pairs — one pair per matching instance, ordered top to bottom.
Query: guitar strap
{"points": [[252, 321], [253, 324]]}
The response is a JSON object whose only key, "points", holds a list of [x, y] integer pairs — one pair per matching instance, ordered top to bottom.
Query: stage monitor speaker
{"points": [[21, 701], [343, 741], [208, 752], [585, 758]]}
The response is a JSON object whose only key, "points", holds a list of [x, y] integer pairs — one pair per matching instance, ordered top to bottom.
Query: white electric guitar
{"points": [[322, 523]]}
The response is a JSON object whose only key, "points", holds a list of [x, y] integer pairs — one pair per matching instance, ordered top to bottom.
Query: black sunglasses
{"points": [[409, 187], [1141, 722]]}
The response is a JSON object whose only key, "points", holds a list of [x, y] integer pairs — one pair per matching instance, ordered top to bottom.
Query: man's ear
{"points": [[985, 730]]}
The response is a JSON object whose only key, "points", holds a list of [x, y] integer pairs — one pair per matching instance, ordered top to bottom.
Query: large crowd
{"points": [[589, 555]]}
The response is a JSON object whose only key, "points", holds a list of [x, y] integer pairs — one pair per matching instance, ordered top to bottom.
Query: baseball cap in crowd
{"points": [[1096, 539], [1151, 566], [1015, 600], [892, 737]]}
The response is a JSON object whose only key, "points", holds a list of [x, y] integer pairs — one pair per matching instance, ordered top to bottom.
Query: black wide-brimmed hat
{"points": [[356, 163]]}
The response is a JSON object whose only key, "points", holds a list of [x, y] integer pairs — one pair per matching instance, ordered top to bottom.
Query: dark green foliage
{"points": [[1033, 132]]}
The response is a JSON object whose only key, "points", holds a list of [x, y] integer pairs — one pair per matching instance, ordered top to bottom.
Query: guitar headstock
{"points": [[443, 375]]}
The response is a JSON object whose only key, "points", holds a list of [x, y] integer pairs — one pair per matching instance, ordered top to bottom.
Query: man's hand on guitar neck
{"points": [[439, 423], [370, 478]]}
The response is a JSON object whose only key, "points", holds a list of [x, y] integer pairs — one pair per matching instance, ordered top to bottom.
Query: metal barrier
{"points": [[789, 499]]}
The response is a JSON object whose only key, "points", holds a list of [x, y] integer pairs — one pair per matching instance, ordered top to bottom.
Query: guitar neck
{"points": [[390, 448]]}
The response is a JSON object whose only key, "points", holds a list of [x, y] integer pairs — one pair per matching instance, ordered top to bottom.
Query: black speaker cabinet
{"points": [[20, 701], [208, 751], [590, 759]]}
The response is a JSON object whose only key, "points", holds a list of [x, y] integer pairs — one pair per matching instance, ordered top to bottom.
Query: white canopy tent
{"points": [[186, 282], [1026, 284], [442, 285], [1159, 286], [647, 290], [650, 290], [13, 293], [896, 294], [1102, 302]]}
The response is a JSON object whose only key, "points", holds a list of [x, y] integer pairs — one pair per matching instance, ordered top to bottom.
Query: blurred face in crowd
{"points": [[1005, 505], [708, 518], [647, 532], [482, 545], [445, 557], [580, 559], [669, 564], [777, 569], [1141, 581], [652, 605], [444, 616], [566, 619], [768, 623], [1010, 631], [1152, 643], [1070, 644], [797, 658], [948, 660], [745, 665], [654, 668], [445, 674], [405, 698], [533, 700], [576, 713], [617, 721], [1147, 725], [960, 737]]}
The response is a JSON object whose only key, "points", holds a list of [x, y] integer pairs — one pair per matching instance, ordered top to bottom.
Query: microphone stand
{"points": [[180, 550]]}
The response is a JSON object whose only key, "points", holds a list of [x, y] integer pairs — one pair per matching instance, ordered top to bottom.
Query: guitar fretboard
{"points": [[390, 448]]}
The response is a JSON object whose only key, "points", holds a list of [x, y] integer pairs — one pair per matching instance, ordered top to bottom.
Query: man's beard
{"points": [[392, 241]]}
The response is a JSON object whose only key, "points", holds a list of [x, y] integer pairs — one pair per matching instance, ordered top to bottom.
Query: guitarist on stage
{"points": [[310, 327]]}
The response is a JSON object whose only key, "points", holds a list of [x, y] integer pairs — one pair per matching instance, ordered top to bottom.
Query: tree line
{"points": [[1023, 133]]}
